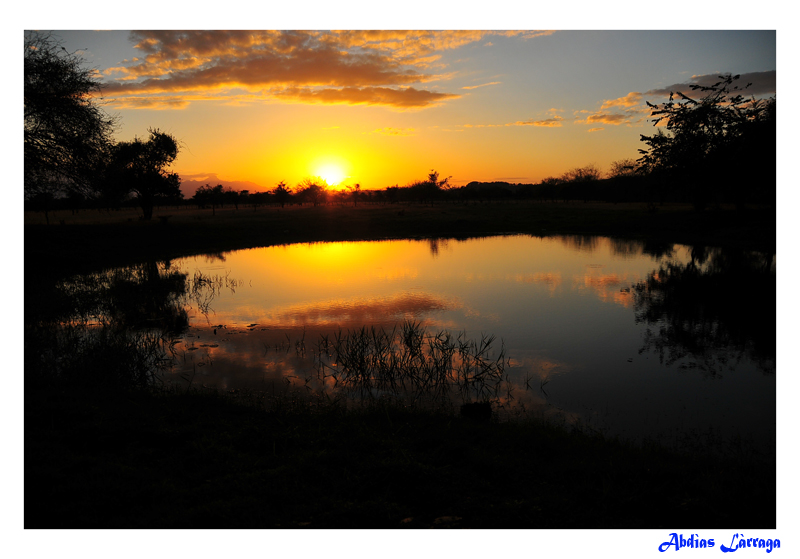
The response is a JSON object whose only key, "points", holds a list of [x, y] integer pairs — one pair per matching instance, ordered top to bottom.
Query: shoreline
{"points": [[92, 239]]}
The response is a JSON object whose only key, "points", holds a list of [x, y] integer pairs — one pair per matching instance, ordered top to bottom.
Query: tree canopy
{"points": [[67, 133], [719, 146], [140, 167], [313, 189]]}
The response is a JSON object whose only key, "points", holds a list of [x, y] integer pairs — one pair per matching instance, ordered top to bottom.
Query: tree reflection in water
{"points": [[717, 308], [116, 324]]}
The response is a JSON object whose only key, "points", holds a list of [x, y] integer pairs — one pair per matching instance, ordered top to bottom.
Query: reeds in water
{"points": [[410, 363]]}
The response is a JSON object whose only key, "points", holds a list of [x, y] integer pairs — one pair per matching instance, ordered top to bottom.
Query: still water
{"points": [[621, 337]]}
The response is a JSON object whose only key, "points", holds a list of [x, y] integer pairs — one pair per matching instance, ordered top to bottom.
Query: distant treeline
{"points": [[623, 184]]}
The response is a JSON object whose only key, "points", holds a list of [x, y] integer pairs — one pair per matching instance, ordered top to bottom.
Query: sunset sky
{"points": [[381, 108]]}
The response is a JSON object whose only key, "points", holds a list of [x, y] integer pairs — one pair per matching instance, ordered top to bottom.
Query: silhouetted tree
{"points": [[67, 134], [721, 144], [140, 167], [622, 168], [582, 174], [577, 182], [627, 182], [443, 184], [550, 187], [430, 189], [313, 190], [354, 191], [282, 193], [393, 194], [207, 195], [230, 196], [243, 198], [257, 199]]}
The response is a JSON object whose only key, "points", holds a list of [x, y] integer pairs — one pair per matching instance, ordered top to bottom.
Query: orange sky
{"points": [[381, 108]]}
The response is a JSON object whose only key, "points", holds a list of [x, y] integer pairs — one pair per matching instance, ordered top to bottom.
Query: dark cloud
{"points": [[762, 83]]}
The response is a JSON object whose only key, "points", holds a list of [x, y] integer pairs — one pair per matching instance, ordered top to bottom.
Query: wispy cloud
{"points": [[355, 67], [481, 85], [552, 122]]}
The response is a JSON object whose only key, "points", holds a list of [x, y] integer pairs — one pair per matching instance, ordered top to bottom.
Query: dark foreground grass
{"points": [[135, 459]]}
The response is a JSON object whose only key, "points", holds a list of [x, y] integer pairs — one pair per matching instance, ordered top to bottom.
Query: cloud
{"points": [[354, 67], [763, 83], [481, 85], [406, 98], [631, 99], [156, 102], [631, 115], [605, 118], [552, 122], [595, 129]]}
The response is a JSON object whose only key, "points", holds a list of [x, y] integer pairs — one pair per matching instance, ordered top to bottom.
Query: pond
{"points": [[627, 338]]}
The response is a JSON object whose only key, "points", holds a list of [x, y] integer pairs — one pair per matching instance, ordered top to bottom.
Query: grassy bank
{"points": [[91, 239], [190, 460]]}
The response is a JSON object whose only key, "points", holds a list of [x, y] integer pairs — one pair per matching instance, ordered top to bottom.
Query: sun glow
{"points": [[332, 171], [332, 174]]}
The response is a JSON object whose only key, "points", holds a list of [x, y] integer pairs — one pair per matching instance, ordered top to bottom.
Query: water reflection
{"points": [[437, 244], [612, 287], [150, 295], [718, 308], [379, 311], [579, 319]]}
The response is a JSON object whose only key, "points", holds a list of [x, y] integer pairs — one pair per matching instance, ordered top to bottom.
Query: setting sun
{"points": [[331, 172]]}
